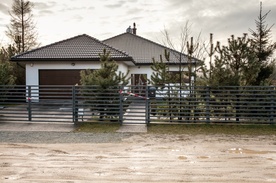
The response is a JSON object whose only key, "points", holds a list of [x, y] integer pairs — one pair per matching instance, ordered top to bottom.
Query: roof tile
{"points": [[78, 47], [143, 50]]}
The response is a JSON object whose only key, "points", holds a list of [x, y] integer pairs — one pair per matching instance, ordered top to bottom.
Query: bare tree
{"points": [[22, 28], [187, 45]]}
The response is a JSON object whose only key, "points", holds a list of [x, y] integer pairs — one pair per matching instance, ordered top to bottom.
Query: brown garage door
{"points": [[59, 77]]}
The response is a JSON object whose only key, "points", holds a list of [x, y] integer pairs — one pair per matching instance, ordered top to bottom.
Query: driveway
{"points": [[25, 126], [136, 158]]}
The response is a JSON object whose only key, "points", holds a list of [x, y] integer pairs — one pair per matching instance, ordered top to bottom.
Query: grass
{"points": [[98, 127], [190, 129], [207, 129]]}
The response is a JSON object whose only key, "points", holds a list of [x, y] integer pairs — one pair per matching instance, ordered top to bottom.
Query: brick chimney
{"points": [[134, 29]]}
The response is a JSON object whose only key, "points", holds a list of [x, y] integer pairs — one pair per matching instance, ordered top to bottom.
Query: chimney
{"points": [[134, 29], [129, 30]]}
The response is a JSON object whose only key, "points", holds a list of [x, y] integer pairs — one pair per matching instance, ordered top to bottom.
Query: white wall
{"points": [[32, 69]]}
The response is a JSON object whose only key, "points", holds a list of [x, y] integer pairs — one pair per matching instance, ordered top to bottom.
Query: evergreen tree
{"points": [[22, 29], [263, 46], [234, 65], [161, 74], [7, 75], [106, 76], [101, 85]]}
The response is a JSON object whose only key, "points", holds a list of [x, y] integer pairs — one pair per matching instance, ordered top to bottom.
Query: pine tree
{"points": [[22, 29], [263, 46], [234, 65], [161, 74], [7, 75], [106, 76], [102, 84]]}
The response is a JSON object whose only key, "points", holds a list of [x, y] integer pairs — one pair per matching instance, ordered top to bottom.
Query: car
{"points": [[171, 90]]}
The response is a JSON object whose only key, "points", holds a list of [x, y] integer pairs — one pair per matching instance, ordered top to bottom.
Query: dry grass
{"points": [[98, 127], [191, 129], [194, 129]]}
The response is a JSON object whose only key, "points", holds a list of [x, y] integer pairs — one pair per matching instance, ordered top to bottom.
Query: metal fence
{"points": [[138, 104]]}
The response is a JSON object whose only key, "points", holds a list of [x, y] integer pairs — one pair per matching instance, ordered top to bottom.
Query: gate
{"points": [[135, 101], [36, 104]]}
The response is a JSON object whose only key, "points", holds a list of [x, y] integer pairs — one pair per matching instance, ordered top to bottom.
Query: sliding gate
{"points": [[36, 104]]}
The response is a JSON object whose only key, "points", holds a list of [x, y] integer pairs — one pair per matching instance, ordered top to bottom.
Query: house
{"points": [[60, 63]]}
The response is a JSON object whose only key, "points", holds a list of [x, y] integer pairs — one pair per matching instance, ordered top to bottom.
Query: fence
{"points": [[138, 104]]}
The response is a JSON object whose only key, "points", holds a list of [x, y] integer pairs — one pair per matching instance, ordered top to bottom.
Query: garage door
{"points": [[59, 77]]}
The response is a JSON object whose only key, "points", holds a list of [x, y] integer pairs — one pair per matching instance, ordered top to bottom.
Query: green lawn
{"points": [[191, 129], [194, 129]]}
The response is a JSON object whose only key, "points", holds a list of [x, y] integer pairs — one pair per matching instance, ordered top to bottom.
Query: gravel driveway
{"points": [[59, 137], [42, 157]]}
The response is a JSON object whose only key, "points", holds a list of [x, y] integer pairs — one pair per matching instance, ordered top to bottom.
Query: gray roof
{"points": [[81, 47], [143, 50]]}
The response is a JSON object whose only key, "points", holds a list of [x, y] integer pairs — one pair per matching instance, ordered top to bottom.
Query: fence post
{"points": [[121, 99], [29, 103], [208, 104], [74, 105], [237, 105], [147, 106], [272, 107]]}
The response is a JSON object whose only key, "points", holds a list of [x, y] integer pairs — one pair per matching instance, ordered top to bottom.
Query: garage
{"points": [[59, 77]]}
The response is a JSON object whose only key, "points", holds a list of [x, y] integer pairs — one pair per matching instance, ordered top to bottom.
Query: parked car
{"points": [[172, 90]]}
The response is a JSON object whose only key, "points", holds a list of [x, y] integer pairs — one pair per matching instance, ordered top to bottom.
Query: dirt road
{"points": [[144, 158]]}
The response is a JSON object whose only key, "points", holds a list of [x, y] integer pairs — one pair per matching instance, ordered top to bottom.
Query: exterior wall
{"points": [[123, 67], [32, 69], [140, 70], [147, 70]]}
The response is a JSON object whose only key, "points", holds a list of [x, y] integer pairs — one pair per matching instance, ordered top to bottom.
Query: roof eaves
{"points": [[70, 59], [169, 63]]}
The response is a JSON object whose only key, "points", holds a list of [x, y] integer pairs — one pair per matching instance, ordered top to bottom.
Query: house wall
{"points": [[32, 69], [147, 70]]}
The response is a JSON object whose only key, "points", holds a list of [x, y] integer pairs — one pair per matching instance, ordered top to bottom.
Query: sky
{"points": [[57, 20]]}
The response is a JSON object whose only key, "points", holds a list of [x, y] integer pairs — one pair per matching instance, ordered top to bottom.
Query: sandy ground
{"points": [[144, 158]]}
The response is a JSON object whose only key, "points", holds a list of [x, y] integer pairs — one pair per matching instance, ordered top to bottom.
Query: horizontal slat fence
{"points": [[138, 104], [215, 105]]}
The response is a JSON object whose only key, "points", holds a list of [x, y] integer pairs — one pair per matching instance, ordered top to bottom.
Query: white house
{"points": [[60, 63]]}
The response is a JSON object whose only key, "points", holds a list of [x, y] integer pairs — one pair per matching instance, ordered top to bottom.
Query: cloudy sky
{"points": [[61, 19]]}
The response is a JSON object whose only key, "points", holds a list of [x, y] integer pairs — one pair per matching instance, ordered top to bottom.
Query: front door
{"points": [[139, 82]]}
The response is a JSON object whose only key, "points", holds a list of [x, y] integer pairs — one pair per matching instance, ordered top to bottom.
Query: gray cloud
{"points": [[118, 4], [44, 6], [4, 9], [44, 9], [78, 18], [222, 18]]}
